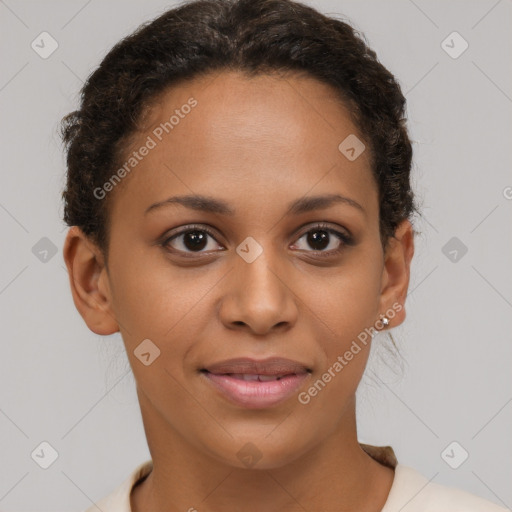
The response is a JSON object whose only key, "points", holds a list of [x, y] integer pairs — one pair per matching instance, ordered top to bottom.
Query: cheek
{"points": [[142, 297], [345, 300], [165, 304], [347, 306], [344, 310]]}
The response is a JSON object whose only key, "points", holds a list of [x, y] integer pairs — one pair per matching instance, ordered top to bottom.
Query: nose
{"points": [[258, 297]]}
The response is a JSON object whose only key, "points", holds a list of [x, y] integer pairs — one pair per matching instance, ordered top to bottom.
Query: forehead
{"points": [[231, 106], [230, 133]]}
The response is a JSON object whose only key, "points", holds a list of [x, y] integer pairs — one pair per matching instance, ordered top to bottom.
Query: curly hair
{"points": [[253, 36]]}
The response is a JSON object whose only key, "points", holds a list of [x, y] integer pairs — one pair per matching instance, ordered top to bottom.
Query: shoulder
{"points": [[413, 492], [119, 499]]}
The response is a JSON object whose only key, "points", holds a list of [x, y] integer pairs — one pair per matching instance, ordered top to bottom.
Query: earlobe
{"points": [[396, 273], [89, 282]]}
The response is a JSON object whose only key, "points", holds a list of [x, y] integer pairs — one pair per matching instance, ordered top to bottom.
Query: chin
{"points": [[260, 451]]}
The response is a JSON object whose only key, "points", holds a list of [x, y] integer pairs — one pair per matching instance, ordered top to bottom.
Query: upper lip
{"points": [[269, 366]]}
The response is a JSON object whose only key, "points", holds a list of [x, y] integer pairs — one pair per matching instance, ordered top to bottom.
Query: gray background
{"points": [[63, 384]]}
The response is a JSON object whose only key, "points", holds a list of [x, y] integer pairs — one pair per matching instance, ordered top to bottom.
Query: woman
{"points": [[240, 208]]}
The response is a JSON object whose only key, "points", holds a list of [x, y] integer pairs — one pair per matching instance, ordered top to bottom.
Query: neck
{"points": [[336, 473]]}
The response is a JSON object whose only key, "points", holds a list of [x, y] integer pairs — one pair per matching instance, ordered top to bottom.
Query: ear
{"points": [[396, 272], [89, 282]]}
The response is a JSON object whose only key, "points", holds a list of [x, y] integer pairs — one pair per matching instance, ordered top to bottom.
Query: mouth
{"points": [[272, 366], [250, 377], [256, 384]]}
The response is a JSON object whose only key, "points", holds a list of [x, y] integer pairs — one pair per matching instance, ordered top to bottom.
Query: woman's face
{"points": [[253, 277]]}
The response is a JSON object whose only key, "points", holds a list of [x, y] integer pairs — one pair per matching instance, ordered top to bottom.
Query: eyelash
{"points": [[344, 238]]}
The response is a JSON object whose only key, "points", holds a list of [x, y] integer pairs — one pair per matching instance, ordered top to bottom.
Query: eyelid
{"points": [[324, 226], [343, 235], [167, 237]]}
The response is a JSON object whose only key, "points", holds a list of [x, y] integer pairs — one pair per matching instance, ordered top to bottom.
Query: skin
{"points": [[258, 144]]}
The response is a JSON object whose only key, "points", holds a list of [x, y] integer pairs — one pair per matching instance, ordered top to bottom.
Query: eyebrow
{"points": [[212, 205]]}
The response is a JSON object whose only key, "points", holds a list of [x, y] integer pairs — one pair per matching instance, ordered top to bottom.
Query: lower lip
{"points": [[256, 394]]}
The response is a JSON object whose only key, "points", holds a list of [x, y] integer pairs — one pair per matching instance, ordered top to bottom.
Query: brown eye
{"points": [[323, 239], [196, 240], [318, 240]]}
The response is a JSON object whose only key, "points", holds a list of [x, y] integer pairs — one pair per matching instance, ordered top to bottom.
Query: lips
{"points": [[275, 366], [255, 377], [256, 384]]}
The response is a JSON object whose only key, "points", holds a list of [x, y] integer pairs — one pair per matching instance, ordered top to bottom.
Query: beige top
{"points": [[410, 492]]}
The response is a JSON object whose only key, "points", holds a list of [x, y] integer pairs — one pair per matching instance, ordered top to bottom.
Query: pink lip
{"points": [[269, 366], [228, 378], [256, 394]]}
